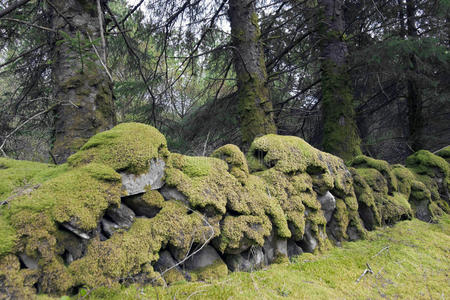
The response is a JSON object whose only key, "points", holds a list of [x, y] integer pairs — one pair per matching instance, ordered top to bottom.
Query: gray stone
{"points": [[136, 184], [170, 193], [328, 203], [140, 207], [123, 216], [108, 227], [72, 228], [353, 233], [309, 242], [274, 247], [293, 249], [205, 257], [247, 261], [29, 262], [166, 262]]}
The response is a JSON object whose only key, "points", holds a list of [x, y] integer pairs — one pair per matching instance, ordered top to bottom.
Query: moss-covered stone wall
{"points": [[78, 225]]}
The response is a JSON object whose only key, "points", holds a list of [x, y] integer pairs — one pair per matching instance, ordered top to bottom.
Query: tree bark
{"points": [[79, 77], [414, 99], [255, 107], [340, 133]]}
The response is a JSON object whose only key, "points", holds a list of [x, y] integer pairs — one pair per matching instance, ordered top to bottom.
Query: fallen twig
{"points": [[382, 250], [367, 270]]}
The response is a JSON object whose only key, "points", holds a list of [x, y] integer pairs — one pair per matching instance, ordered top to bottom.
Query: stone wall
{"points": [[124, 209]]}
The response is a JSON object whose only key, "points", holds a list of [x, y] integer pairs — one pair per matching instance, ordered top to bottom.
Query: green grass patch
{"points": [[409, 261]]}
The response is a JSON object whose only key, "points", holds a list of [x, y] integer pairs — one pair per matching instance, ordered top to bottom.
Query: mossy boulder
{"points": [[127, 147], [444, 153], [434, 172]]}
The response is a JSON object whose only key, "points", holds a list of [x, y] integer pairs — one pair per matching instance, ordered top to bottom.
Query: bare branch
{"points": [[13, 7], [29, 24]]}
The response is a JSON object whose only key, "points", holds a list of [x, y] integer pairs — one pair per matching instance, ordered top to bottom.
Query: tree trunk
{"points": [[80, 80], [414, 100], [255, 107], [340, 133]]}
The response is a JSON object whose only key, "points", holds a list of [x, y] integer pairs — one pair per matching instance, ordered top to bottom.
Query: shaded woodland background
{"points": [[383, 66]]}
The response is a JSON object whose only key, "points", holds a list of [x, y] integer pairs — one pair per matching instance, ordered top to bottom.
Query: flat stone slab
{"points": [[136, 184]]}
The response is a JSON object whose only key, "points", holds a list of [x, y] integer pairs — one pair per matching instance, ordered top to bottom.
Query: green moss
{"points": [[255, 108], [340, 135], [127, 147], [444, 153], [287, 154], [362, 161], [424, 162], [237, 164], [18, 176], [374, 179], [405, 179], [204, 180], [419, 191], [289, 192], [80, 195], [365, 195], [153, 198], [394, 208], [240, 232], [8, 236], [127, 252], [414, 267], [217, 270], [173, 276], [16, 283]]}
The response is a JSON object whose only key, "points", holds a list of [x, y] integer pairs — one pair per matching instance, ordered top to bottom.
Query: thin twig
{"points": [[29, 24], [100, 24], [99, 58], [23, 124], [206, 143], [196, 251], [379, 252], [367, 270]]}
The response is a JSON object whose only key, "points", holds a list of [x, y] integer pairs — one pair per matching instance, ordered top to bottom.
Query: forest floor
{"points": [[410, 260]]}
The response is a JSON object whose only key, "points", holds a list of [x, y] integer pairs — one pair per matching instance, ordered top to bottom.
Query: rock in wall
{"points": [[124, 209]]}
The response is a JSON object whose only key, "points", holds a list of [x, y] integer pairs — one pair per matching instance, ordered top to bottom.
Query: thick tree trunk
{"points": [[80, 80], [255, 107], [415, 117], [340, 133]]}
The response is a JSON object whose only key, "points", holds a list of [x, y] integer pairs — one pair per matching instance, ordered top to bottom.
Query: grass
{"points": [[409, 261]]}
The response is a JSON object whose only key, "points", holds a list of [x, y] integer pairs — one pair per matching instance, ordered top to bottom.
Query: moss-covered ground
{"points": [[409, 261]]}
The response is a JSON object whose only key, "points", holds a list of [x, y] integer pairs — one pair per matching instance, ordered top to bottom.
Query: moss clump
{"points": [[127, 147], [444, 153], [287, 154], [362, 161], [424, 162], [237, 164], [17, 176], [204, 181], [288, 192], [79, 196], [153, 198], [366, 200], [392, 208], [238, 233], [8, 236], [127, 252], [218, 269], [16, 283]]}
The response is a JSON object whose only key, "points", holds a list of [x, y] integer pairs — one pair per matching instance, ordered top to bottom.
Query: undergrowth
{"points": [[409, 261]]}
